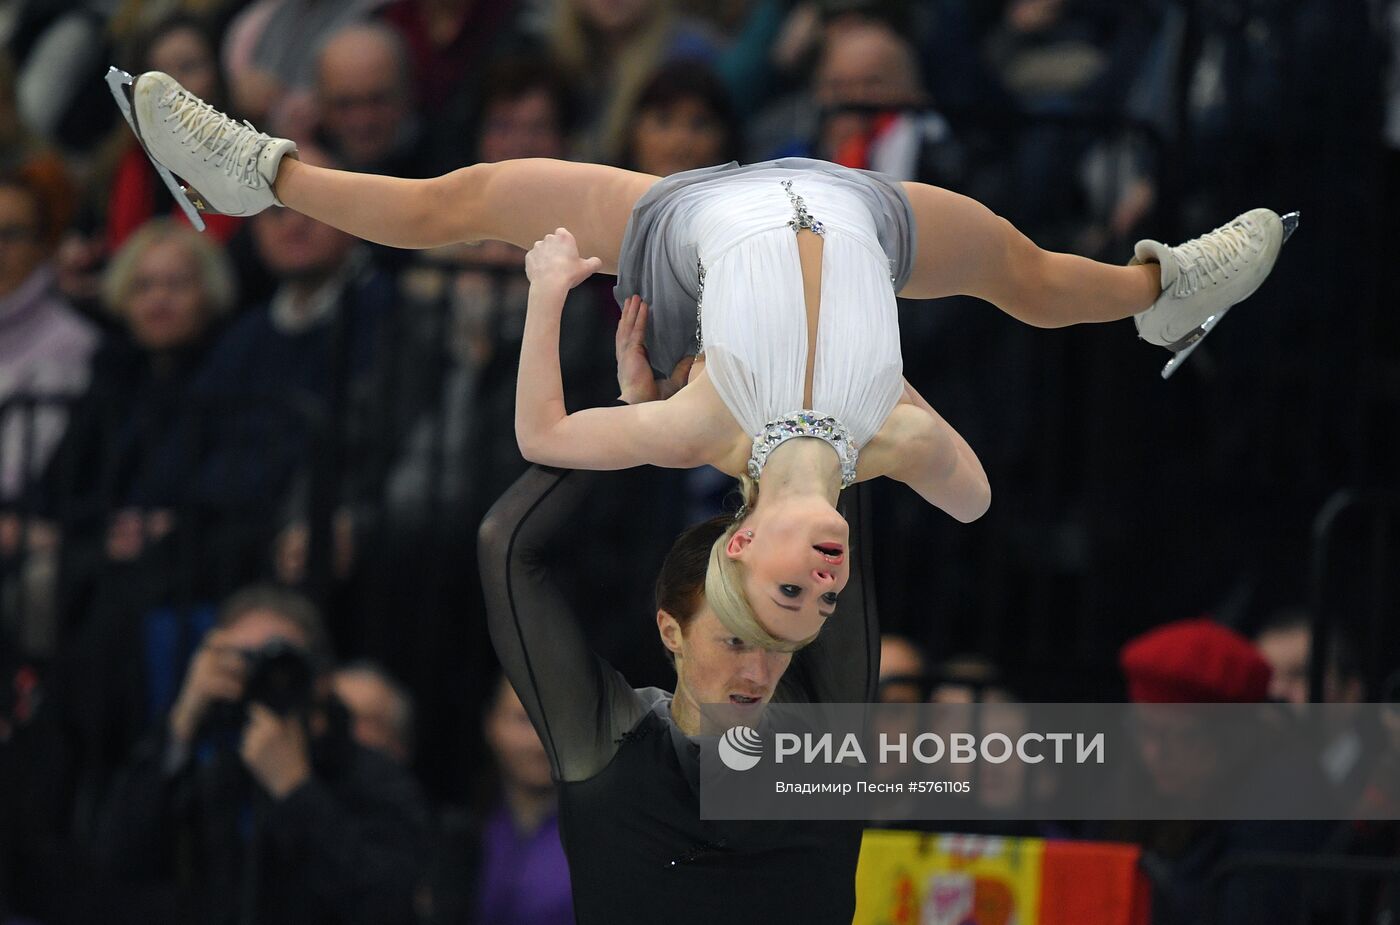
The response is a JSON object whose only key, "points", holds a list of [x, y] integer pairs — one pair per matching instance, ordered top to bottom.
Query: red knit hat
{"points": [[1194, 661]]}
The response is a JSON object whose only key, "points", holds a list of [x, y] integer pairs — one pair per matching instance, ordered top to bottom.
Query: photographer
{"points": [[250, 802]]}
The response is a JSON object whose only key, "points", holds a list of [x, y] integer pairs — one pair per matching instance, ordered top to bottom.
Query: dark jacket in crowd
{"points": [[264, 396], [131, 408], [204, 843]]}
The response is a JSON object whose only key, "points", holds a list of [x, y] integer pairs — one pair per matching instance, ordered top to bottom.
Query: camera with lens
{"points": [[281, 677]]}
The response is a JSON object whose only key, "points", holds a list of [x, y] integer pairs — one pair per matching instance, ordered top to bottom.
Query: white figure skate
{"points": [[228, 166], [1204, 277]]}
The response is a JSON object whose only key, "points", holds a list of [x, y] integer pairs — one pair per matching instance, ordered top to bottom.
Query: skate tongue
{"points": [[270, 158], [1158, 253]]}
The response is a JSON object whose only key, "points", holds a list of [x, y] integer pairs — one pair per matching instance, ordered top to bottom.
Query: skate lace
{"points": [[233, 147], [1213, 257]]}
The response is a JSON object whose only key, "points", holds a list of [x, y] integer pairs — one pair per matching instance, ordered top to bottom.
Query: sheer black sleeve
{"points": [[842, 665], [579, 704]]}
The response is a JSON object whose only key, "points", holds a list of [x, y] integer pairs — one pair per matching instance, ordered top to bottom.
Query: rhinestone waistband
{"points": [[806, 424]]}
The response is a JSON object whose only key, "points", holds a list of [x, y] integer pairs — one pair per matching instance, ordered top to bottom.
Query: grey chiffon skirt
{"points": [[659, 259]]}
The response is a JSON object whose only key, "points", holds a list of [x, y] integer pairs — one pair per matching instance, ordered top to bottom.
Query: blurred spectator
{"points": [[746, 33], [448, 40], [450, 44], [183, 47], [64, 48], [610, 50], [1043, 50], [270, 53], [1057, 58], [870, 65], [364, 99], [526, 109], [857, 110], [684, 119], [21, 149], [167, 287], [481, 295], [45, 347], [281, 368], [422, 411], [437, 414], [1285, 641], [1194, 661], [1191, 662], [903, 670], [969, 679], [381, 710], [250, 801], [39, 863], [521, 874], [524, 877]]}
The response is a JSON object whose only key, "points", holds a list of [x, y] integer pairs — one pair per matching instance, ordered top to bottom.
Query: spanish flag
{"points": [[919, 878]]}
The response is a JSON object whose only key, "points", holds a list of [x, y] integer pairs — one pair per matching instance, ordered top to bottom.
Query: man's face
{"points": [[614, 16], [866, 65], [363, 101], [527, 126], [21, 246], [297, 248], [255, 629], [1286, 651], [713, 666], [901, 667], [373, 711], [1180, 755]]}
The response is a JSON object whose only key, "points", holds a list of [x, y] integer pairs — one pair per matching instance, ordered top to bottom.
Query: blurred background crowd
{"points": [[274, 439]]}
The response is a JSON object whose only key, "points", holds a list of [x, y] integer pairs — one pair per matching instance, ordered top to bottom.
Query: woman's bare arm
{"points": [[516, 201], [671, 433], [929, 456]]}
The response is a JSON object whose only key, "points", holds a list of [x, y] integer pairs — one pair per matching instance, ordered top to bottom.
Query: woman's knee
{"points": [[1016, 274]]}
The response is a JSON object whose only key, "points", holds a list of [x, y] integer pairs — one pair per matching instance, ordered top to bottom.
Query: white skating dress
{"points": [[737, 229]]}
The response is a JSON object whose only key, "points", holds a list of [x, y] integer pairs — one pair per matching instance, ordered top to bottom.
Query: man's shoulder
{"points": [[650, 697], [372, 776]]}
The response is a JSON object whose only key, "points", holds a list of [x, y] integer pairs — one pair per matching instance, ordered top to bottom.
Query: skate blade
{"points": [[189, 201], [1185, 347]]}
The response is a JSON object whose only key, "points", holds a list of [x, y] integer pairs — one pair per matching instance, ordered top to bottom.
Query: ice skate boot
{"points": [[228, 166], [1204, 277]]}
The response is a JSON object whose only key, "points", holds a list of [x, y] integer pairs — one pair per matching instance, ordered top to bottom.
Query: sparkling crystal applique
{"points": [[801, 217], [699, 304], [806, 424]]}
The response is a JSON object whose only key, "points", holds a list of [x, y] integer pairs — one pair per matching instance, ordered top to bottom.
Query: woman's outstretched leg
{"points": [[238, 171], [517, 201], [966, 249], [1175, 292]]}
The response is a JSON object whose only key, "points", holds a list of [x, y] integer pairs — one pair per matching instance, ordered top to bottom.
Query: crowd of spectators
{"points": [[244, 673]]}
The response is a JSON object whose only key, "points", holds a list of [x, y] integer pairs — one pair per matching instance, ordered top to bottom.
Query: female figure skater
{"points": [[797, 264]]}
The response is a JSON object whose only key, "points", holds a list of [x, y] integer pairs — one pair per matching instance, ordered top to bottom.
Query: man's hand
{"points": [[554, 261], [634, 376], [679, 379], [292, 548], [216, 673], [275, 750]]}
